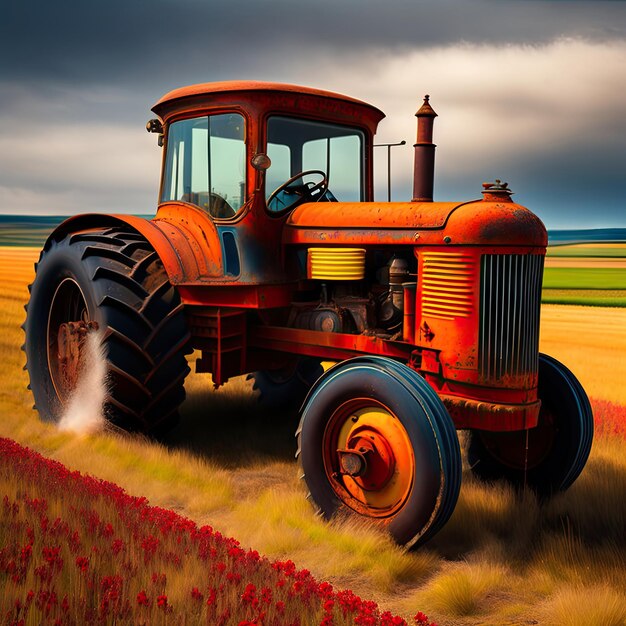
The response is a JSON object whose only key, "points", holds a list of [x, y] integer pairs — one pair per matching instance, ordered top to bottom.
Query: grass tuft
{"points": [[464, 589], [598, 605]]}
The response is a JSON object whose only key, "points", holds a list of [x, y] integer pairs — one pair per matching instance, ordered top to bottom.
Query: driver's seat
{"points": [[211, 202]]}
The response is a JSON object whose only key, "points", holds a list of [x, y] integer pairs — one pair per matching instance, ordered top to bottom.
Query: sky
{"points": [[532, 92]]}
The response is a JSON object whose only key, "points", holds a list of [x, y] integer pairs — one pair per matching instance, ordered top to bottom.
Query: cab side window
{"points": [[205, 164]]}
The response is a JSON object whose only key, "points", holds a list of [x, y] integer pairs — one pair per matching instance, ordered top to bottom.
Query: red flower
{"points": [[107, 530], [149, 545], [117, 546], [26, 552], [82, 562], [325, 589], [196, 594], [212, 595], [249, 595], [266, 595], [142, 599], [162, 602], [420, 618]]}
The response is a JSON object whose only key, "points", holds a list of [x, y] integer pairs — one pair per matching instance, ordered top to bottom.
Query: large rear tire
{"points": [[112, 277], [374, 438], [549, 457]]}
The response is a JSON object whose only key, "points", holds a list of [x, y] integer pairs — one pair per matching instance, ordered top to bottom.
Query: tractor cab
{"points": [[240, 156]]}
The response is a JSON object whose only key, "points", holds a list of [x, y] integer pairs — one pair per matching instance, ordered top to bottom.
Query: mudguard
{"points": [[188, 247]]}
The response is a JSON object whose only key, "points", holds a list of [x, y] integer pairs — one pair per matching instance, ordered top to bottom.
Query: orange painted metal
{"points": [[232, 88], [372, 215], [446, 224], [194, 238], [236, 295], [328, 346], [368, 458]]}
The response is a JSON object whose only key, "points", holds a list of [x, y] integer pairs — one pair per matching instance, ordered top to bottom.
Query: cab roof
{"points": [[252, 89]]}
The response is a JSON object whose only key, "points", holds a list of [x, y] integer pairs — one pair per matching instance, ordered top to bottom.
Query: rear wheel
{"points": [[114, 281], [287, 387], [374, 438], [549, 457]]}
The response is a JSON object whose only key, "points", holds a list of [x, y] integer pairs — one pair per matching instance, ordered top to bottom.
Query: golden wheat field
{"points": [[501, 559]]}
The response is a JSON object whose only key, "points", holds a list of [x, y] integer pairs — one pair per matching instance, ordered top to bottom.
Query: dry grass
{"points": [[502, 558], [464, 589], [591, 606]]}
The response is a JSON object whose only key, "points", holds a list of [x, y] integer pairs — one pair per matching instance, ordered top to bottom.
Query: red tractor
{"points": [[268, 255]]}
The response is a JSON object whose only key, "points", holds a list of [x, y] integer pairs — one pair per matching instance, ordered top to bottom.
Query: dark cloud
{"points": [[119, 41], [77, 80], [567, 188]]}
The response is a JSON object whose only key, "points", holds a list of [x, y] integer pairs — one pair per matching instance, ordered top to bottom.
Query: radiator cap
{"points": [[497, 192]]}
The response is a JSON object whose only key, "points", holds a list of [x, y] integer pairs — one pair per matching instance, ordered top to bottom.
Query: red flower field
{"points": [[78, 550]]}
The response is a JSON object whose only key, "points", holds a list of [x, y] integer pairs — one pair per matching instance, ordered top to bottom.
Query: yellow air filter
{"points": [[336, 263]]}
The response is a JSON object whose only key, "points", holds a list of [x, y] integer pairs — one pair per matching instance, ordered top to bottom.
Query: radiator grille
{"points": [[447, 285], [509, 315]]}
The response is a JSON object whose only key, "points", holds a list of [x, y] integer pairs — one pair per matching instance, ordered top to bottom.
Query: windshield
{"points": [[296, 145], [205, 163]]}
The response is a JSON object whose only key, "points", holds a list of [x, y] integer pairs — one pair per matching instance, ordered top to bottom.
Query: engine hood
{"points": [[372, 214], [477, 222]]}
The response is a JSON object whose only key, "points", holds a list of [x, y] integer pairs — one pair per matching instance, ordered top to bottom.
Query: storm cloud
{"points": [[527, 90]]}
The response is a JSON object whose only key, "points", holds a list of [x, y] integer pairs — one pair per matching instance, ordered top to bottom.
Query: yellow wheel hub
{"points": [[368, 458]]}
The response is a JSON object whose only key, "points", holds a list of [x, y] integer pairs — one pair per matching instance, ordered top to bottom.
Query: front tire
{"points": [[112, 277], [374, 438], [549, 457]]}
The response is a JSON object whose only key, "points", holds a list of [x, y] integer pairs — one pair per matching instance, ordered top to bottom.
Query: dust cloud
{"points": [[84, 413]]}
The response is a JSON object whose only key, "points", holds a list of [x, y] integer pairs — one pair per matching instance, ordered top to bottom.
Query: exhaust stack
{"points": [[424, 165]]}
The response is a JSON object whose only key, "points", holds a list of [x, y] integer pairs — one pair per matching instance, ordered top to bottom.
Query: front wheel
{"points": [[112, 280], [375, 439], [549, 457]]}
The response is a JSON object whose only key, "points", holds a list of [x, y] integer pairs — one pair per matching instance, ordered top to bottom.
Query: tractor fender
{"points": [[185, 257]]}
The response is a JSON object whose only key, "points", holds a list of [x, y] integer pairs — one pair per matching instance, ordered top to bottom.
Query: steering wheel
{"points": [[290, 194]]}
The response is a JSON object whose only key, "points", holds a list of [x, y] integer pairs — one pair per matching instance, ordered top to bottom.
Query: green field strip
{"points": [[32, 237], [584, 278]]}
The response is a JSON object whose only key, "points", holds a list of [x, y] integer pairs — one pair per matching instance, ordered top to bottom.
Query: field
{"points": [[586, 274], [502, 558]]}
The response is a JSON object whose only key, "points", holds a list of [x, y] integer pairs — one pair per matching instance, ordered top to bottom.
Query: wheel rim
{"points": [[67, 325], [514, 451], [368, 458]]}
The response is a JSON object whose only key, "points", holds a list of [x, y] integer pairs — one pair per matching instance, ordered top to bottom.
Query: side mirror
{"points": [[155, 126]]}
